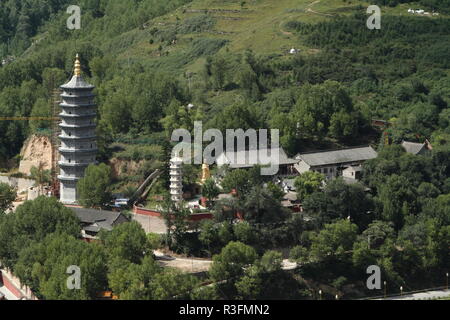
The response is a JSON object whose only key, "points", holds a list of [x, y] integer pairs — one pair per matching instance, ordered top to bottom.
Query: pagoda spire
{"points": [[77, 69]]}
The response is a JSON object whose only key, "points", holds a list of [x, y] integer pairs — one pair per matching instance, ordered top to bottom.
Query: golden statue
{"points": [[206, 174]]}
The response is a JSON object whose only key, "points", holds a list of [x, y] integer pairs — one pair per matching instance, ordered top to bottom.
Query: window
{"points": [[325, 170]]}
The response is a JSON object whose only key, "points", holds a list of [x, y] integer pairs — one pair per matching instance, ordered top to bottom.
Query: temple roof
{"points": [[77, 82], [414, 148], [333, 157]]}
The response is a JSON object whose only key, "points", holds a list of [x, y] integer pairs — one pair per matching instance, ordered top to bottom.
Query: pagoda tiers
{"points": [[78, 139], [176, 184]]}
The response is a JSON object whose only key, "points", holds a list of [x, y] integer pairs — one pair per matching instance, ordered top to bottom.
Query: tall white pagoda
{"points": [[78, 138]]}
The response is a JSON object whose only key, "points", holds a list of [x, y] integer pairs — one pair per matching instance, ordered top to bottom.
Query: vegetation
{"points": [[150, 59], [94, 189], [7, 197]]}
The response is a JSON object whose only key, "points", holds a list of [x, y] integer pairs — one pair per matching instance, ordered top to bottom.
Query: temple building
{"points": [[78, 139]]}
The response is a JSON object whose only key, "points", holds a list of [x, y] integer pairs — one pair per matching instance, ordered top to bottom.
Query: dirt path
{"points": [[307, 9], [193, 265]]}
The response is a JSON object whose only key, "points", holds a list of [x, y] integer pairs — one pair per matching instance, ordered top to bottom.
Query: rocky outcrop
{"points": [[36, 149]]}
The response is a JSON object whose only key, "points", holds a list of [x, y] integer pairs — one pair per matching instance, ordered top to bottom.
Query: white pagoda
{"points": [[78, 138], [176, 183]]}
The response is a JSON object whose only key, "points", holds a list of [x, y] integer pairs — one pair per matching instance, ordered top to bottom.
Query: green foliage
{"points": [[200, 23], [326, 109], [138, 153], [40, 176], [236, 180], [308, 183], [94, 189], [210, 191], [7, 197], [397, 197], [340, 200], [261, 207], [32, 222], [154, 240], [126, 241], [334, 241], [299, 254], [230, 262], [43, 266], [133, 281]]}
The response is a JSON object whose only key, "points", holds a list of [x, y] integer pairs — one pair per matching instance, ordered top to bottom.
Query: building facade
{"points": [[78, 138], [332, 163]]}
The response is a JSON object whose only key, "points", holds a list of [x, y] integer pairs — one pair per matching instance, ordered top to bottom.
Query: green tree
{"points": [[41, 109], [41, 176], [236, 180], [307, 183], [94, 188], [210, 191], [7, 197], [397, 198], [339, 201], [261, 207], [32, 222], [244, 232], [126, 241], [334, 241], [299, 254], [230, 263], [44, 266], [130, 281], [173, 284]]}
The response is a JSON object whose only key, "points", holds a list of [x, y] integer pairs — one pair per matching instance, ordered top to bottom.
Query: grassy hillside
{"points": [[219, 54]]}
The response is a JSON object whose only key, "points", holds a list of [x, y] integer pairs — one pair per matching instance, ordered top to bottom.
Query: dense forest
{"points": [[325, 96]]}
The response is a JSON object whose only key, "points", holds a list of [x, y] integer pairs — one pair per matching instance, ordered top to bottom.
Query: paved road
{"points": [[150, 224], [184, 264], [200, 265], [429, 295]]}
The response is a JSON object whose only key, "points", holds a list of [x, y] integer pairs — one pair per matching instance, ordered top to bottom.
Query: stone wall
{"points": [[22, 184]]}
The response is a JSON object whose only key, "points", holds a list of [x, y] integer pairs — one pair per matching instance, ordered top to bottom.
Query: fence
{"points": [[154, 213]]}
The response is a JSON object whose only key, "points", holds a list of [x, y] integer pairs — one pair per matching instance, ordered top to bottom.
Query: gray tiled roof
{"points": [[77, 82], [412, 147], [338, 156], [94, 220]]}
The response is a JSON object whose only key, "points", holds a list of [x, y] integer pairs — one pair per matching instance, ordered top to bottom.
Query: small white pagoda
{"points": [[176, 177]]}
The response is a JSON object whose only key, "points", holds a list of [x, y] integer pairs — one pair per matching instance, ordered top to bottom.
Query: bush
{"points": [[155, 240]]}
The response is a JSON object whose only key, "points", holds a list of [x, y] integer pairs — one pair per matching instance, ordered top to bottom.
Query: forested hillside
{"points": [[150, 58]]}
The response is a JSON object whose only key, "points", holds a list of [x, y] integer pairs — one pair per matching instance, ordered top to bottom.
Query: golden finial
{"points": [[77, 70]]}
